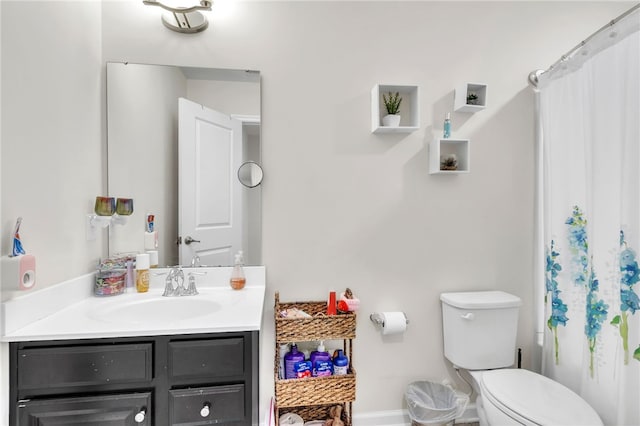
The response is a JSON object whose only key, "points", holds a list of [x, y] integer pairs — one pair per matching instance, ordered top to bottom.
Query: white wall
{"points": [[52, 132], [52, 159], [342, 207]]}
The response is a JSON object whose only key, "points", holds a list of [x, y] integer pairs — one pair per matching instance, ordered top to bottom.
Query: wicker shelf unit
{"points": [[312, 397]]}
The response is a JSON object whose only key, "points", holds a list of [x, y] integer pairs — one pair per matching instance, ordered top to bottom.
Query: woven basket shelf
{"points": [[319, 327], [312, 397], [317, 412]]}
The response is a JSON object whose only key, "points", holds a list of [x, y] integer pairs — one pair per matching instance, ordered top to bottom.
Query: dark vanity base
{"points": [[194, 379]]}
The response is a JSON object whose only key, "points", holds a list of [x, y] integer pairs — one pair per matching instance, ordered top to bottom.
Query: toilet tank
{"points": [[480, 328]]}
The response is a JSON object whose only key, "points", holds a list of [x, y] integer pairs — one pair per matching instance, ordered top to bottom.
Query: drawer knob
{"points": [[206, 409], [139, 417]]}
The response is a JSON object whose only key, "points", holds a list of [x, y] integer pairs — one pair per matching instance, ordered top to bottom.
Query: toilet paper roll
{"points": [[18, 272], [393, 323], [291, 419]]}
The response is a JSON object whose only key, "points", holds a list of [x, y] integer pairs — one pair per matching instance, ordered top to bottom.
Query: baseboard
{"points": [[401, 417], [382, 418]]}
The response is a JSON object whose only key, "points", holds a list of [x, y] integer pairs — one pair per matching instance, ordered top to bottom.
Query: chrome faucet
{"points": [[195, 261], [175, 274], [192, 290]]}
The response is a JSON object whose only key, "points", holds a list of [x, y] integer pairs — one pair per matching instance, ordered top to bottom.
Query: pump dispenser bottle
{"points": [[238, 279], [321, 361]]}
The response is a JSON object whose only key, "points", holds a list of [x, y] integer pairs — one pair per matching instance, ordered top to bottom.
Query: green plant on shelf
{"points": [[472, 98], [392, 102]]}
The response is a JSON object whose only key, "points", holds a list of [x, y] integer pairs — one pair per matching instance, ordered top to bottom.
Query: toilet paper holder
{"points": [[378, 319]]}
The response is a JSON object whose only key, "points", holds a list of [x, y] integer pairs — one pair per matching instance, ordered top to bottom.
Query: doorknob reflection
{"points": [[188, 240]]}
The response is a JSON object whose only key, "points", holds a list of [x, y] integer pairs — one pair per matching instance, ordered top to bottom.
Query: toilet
{"points": [[479, 330]]}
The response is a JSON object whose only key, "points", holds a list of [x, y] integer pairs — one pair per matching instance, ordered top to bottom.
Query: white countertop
{"points": [[217, 308]]}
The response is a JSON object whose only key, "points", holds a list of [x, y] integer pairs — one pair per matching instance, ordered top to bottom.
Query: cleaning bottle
{"points": [[237, 275], [290, 359], [321, 361], [340, 364]]}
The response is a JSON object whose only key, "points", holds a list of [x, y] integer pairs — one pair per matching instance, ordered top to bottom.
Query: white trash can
{"points": [[432, 403]]}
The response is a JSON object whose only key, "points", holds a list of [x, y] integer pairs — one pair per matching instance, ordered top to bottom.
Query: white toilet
{"points": [[480, 336]]}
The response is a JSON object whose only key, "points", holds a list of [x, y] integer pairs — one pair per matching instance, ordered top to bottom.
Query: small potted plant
{"points": [[472, 99], [392, 103], [449, 162]]}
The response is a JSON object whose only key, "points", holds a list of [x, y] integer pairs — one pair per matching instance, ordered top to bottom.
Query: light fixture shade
{"points": [[183, 19], [190, 22]]}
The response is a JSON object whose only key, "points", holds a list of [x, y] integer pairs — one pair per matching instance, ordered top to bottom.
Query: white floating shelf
{"points": [[462, 103], [409, 108], [441, 148]]}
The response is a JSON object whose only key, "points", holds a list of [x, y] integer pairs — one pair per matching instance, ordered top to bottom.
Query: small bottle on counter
{"points": [[153, 258], [142, 273], [238, 280]]}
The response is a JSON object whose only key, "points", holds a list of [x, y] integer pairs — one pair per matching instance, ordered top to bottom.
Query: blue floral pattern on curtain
{"points": [[584, 275], [629, 301], [558, 307]]}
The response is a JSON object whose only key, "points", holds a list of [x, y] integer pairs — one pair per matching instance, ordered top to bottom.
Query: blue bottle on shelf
{"points": [[447, 126], [319, 356], [290, 359], [340, 364]]}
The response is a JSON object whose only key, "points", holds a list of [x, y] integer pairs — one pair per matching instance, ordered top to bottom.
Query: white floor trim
{"points": [[401, 417]]}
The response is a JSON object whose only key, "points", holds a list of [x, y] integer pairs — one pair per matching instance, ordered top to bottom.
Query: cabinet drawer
{"points": [[197, 359], [71, 366], [226, 405], [100, 410]]}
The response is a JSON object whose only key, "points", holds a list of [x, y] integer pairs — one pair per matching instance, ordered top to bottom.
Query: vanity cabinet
{"points": [[196, 379]]}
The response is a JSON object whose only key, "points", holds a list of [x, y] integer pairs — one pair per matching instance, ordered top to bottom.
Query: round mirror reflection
{"points": [[250, 174]]}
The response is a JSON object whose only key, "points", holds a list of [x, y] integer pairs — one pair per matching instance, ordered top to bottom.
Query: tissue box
{"points": [[353, 304]]}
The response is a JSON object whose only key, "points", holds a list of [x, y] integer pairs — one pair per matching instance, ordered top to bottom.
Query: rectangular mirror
{"points": [[177, 138]]}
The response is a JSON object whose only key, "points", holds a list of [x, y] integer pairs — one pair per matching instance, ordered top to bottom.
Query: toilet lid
{"points": [[537, 398]]}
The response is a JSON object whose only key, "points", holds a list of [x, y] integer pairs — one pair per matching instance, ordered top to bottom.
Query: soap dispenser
{"points": [[238, 280], [320, 361]]}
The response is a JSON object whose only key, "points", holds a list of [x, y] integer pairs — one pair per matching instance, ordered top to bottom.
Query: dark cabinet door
{"points": [[204, 359], [69, 367], [208, 406], [132, 409]]}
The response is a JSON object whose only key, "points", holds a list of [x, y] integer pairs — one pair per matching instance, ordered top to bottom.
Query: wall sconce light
{"points": [[183, 19]]}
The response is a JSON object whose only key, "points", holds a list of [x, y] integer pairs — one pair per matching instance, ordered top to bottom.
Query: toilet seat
{"points": [[533, 399]]}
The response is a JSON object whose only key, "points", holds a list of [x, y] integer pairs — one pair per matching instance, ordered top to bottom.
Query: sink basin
{"points": [[157, 310]]}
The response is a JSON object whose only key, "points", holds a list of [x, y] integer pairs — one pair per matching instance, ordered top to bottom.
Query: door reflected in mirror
{"points": [[184, 169]]}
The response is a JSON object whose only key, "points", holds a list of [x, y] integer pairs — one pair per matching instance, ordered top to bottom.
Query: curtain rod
{"points": [[535, 75]]}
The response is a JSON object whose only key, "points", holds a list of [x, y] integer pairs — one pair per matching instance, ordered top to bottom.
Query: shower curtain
{"points": [[589, 112]]}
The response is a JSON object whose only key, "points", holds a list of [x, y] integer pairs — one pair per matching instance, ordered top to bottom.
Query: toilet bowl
{"points": [[479, 330], [522, 397]]}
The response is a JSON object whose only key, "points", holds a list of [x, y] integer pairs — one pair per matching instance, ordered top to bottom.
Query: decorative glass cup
{"points": [[105, 206], [124, 206]]}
